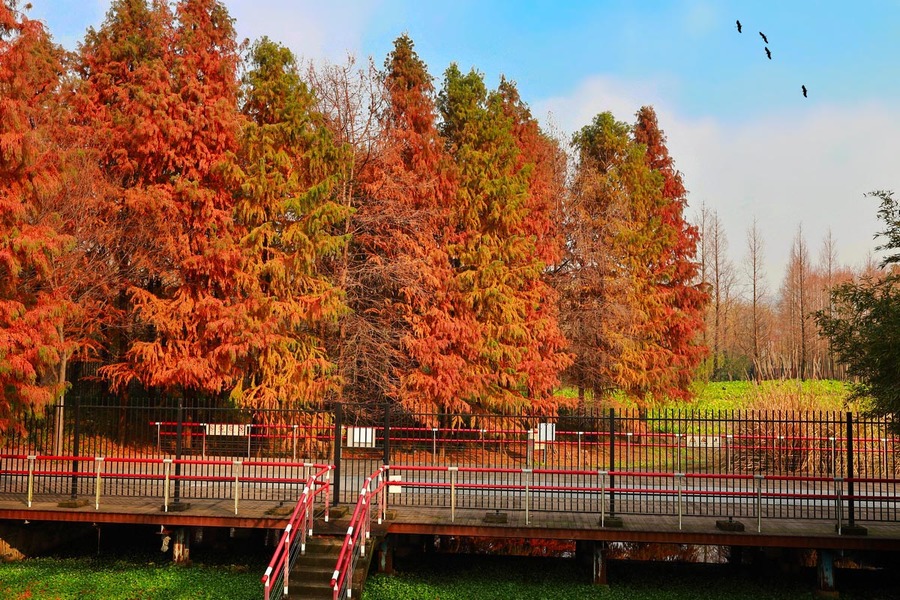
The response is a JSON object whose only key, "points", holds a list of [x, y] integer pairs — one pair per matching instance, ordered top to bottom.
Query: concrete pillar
{"points": [[181, 547], [600, 563], [825, 575]]}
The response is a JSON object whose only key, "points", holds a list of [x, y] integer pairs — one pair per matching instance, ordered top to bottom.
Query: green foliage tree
{"points": [[286, 208], [495, 254], [863, 325]]}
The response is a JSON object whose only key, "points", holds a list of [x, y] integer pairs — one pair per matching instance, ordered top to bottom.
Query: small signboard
{"points": [[232, 429], [546, 432], [360, 437], [702, 441], [394, 489]]}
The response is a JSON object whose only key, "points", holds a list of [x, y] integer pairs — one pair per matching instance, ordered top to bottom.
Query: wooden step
{"points": [[311, 576]]}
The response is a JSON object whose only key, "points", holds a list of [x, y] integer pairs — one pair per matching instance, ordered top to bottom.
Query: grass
{"points": [[791, 394], [448, 577], [77, 578]]}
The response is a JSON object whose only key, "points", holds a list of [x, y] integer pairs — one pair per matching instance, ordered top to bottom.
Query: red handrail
{"points": [[299, 527], [358, 530]]}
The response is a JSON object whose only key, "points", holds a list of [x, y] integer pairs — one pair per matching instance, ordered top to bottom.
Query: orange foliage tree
{"points": [[167, 101], [412, 187], [675, 271], [32, 310]]}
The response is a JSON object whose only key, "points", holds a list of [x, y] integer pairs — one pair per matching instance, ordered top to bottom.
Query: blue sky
{"points": [[749, 145]]}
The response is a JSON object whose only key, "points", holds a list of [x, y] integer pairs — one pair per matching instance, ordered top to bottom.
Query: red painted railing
{"points": [[293, 541], [354, 546]]}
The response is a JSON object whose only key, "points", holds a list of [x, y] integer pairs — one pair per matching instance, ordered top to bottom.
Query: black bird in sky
{"points": [[739, 26], [763, 36], [768, 53], [803, 87]]}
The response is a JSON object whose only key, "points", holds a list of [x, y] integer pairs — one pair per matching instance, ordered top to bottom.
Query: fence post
{"points": [[338, 427], [179, 428], [387, 434], [75, 446], [31, 459], [612, 461], [98, 462], [237, 466], [168, 468], [453, 471], [850, 472], [527, 475], [602, 476], [679, 477], [759, 480], [838, 508]]}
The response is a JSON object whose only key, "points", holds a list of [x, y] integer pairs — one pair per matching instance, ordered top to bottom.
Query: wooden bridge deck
{"points": [[787, 533]]}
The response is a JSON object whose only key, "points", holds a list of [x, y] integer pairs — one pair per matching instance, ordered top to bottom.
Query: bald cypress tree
{"points": [[163, 90], [412, 188], [286, 213], [496, 266], [674, 272], [32, 309]]}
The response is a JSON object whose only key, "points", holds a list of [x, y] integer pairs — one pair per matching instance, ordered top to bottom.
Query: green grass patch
{"points": [[790, 394], [78, 578]]}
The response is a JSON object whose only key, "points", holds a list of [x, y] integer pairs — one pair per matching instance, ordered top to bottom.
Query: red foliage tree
{"points": [[163, 90], [412, 187], [675, 271], [32, 309]]}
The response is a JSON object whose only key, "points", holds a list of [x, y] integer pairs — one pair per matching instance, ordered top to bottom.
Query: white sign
{"points": [[227, 429], [360, 437], [702, 441], [394, 489]]}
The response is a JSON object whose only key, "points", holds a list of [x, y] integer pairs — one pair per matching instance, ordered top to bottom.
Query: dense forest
{"points": [[183, 212]]}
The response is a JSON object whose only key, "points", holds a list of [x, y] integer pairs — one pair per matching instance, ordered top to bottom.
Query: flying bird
{"points": [[739, 25], [763, 36], [768, 53], [803, 87]]}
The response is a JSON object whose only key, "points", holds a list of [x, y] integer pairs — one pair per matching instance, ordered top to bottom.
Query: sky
{"points": [[749, 145]]}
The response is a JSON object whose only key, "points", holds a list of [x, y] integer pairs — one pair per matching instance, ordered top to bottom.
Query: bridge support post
{"points": [[181, 548], [386, 555], [598, 572], [825, 575]]}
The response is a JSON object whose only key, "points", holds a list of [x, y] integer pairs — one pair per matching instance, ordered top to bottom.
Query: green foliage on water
{"points": [[78, 578], [502, 578]]}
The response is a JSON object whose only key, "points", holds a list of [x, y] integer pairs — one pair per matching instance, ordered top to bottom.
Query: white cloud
{"points": [[313, 30], [811, 165]]}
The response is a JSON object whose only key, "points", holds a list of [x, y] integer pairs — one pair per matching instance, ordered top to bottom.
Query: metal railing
{"points": [[357, 439], [31, 477], [358, 532], [293, 541]]}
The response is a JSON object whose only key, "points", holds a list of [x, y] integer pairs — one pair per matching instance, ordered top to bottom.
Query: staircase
{"points": [[311, 577]]}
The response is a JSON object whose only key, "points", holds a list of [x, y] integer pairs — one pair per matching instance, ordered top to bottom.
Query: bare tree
{"points": [[719, 273], [758, 292], [795, 309]]}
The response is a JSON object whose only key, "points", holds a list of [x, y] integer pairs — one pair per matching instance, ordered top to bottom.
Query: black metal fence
{"points": [[791, 457]]}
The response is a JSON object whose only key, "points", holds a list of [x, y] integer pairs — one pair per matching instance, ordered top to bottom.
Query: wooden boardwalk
{"points": [[255, 514]]}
